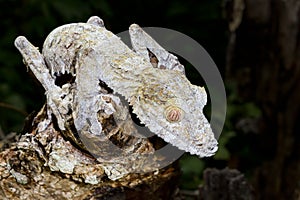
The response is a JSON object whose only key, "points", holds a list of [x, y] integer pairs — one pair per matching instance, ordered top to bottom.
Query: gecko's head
{"points": [[168, 104], [173, 109], [184, 115]]}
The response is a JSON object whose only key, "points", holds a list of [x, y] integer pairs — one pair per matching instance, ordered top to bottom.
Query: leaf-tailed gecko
{"points": [[157, 89]]}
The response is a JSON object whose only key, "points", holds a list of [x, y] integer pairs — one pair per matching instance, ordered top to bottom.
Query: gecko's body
{"points": [[163, 99]]}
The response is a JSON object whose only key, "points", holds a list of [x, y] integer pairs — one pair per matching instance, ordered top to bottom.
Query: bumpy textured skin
{"points": [[91, 53]]}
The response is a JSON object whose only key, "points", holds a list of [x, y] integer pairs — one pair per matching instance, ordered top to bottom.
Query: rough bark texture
{"points": [[264, 59], [44, 165]]}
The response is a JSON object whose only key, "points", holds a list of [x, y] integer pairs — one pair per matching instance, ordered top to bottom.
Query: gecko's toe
{"points": [[134, 27], [20, 41]]}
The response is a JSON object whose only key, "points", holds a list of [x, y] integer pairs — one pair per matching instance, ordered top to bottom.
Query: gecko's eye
{"points": [[173, 114]]}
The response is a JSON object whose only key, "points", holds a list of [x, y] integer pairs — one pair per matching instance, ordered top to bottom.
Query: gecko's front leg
{"points": [[146, 47], [88, 102]]}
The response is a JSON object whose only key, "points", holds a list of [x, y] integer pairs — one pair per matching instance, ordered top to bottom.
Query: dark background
{"points": [[257, 57]]}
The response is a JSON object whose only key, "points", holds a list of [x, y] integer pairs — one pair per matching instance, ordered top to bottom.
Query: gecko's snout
{"points": [[212, 147], [207, 148]]}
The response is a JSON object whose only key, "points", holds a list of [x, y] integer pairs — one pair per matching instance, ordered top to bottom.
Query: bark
{"points": [[264, 59], [28, 170], [225, 184]]}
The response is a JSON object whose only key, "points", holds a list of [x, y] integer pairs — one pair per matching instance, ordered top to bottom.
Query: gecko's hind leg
{"points": [[35, 61]]}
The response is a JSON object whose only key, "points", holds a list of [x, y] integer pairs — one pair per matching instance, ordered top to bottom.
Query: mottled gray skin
{"points": [[91, 53]]}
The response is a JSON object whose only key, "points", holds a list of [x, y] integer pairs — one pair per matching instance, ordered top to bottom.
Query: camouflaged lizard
{"points": [[150, 78]]}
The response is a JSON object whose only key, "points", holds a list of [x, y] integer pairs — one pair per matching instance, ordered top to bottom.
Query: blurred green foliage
{"points": [[200, 19], [192, 168]]}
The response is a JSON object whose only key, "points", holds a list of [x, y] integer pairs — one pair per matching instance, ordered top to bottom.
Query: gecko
{"points": [[157, 89]]}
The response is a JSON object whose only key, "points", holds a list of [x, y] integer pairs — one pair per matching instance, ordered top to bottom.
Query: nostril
{"points": [[212, 148]]}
